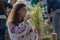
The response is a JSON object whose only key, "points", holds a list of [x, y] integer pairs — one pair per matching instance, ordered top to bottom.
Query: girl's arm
{"points": [[11, 28]]}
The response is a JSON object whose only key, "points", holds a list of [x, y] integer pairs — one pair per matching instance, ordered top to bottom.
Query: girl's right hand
{"points": [[27, 17]]}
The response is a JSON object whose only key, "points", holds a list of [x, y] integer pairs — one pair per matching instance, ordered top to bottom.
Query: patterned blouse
{"points": [[21, 32]]}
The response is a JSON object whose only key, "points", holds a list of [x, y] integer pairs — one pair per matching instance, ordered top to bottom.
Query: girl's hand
{"points": [[27, 18]]}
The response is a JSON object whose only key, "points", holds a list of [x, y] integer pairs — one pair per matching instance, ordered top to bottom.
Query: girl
{"points": [[17, 25]]}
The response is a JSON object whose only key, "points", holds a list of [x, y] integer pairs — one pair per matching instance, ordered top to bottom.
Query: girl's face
{"points": [[22, 12]]}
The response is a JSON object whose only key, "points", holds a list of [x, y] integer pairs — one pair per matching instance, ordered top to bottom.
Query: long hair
{"points": [[14, 15]]}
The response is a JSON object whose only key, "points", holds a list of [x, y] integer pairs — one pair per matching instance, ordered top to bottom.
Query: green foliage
{"points": [[36, 20]]}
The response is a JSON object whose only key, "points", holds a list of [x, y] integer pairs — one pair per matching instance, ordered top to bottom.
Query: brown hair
{"points": [[14, 15]]}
